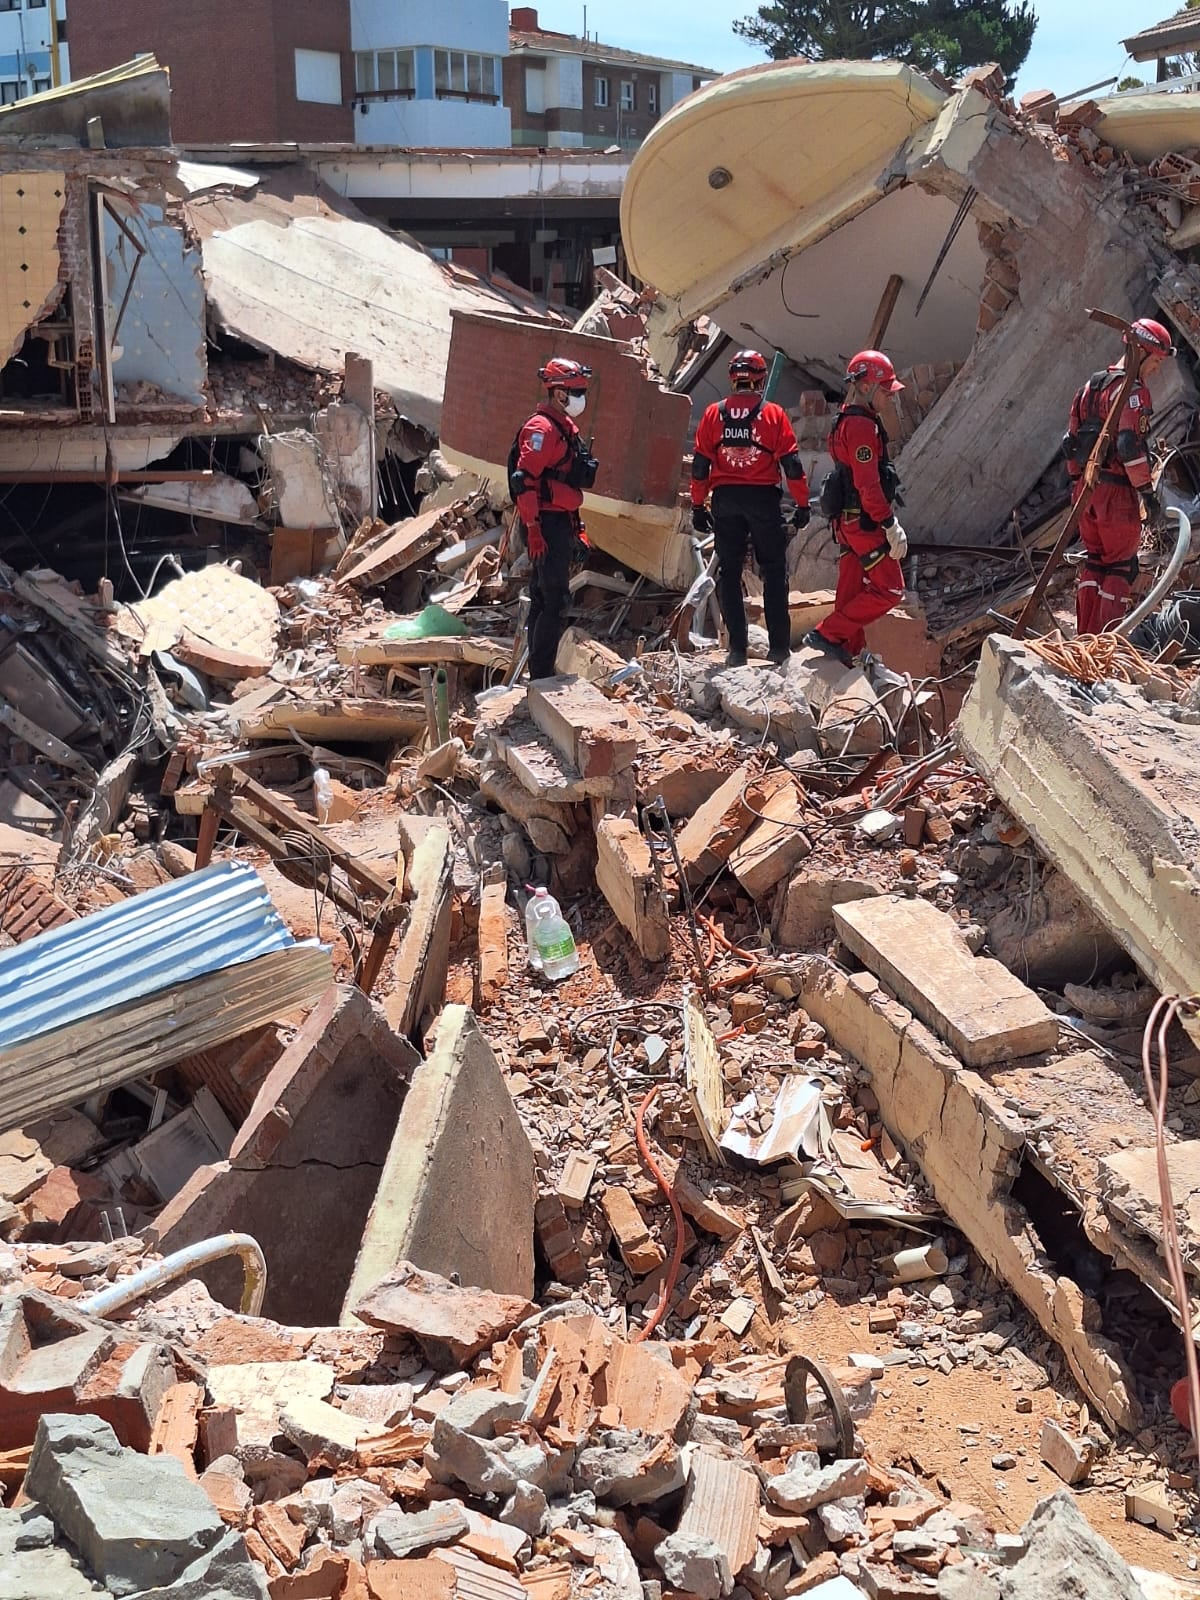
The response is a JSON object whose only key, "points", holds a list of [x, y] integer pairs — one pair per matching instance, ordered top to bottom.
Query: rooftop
{"points": [[525, 35], [1174, 36]]}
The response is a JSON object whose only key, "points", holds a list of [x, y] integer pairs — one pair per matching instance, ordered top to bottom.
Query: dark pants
{"points": [[749, 514], [549, 592]]}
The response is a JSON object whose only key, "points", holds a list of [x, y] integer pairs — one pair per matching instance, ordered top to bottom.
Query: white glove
{"points": [[897, 541]]}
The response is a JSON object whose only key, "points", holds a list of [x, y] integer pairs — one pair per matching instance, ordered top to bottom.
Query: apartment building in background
{"points": [[33, 47], [381, 72], [563, 90]]}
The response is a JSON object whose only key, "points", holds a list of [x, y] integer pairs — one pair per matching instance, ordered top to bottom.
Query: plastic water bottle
{"points": [[322, 794], [536, 898], [551, 938]]}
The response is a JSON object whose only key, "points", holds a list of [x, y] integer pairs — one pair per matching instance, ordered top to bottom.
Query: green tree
{"points": [[949, 35]]}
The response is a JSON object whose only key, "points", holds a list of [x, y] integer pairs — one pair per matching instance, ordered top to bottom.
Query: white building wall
{"points": [[479, 25], [25, 39], [673, 86], [440, 124]]}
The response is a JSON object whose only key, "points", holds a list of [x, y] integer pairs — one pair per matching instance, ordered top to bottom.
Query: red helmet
{"points": [[1153, 336], [872, 366], [750, 368], [563, 374]]}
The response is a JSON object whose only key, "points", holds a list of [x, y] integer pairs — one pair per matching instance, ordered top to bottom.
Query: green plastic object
{"points": [[433, 623]]}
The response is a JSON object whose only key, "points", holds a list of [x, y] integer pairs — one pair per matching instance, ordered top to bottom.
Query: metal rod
{"points": [[441, 704], [430, 710], [180, 1265]]}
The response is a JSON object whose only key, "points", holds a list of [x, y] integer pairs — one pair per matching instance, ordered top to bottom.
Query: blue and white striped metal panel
{"points": [[157, 940]]}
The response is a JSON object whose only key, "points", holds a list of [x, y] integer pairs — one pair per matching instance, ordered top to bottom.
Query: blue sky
{"points": [[1077, 41]]}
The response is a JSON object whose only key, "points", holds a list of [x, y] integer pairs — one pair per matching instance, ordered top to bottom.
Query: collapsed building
{"points": [[811, 1231]]}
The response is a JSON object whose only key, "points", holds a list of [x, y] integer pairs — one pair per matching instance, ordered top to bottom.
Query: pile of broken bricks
{"points": [[464, 1443]]}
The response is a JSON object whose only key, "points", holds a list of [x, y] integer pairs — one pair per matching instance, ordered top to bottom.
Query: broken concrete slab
{"points": [[765, 701], [846, 712], [596, 735], [542, 769], [1074, 773], [551, 826], [711, 834], [776, 844], [625, 877], [803, 914], [1051, 936], [424, 948], [982, 1010], [329, 1107], [966, 1139], [458, 1187], [1130, 1192], [451, 1323], [54, 1358], [258, 1390], [322, 1433], [1070, 1458], [628, 1468], [806, 1484], [138, 1522], [394, 1534], [1058, 1543], [695, 1564], [42, 1571]]}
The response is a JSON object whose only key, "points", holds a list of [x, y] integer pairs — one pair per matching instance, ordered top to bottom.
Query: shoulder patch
{"points": [[1135, 401], [536, 440], [864, 453]]}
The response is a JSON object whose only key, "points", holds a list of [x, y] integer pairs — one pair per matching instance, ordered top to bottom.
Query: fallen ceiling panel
{"points": [[132, 103], [761, 162], [325, 285]]}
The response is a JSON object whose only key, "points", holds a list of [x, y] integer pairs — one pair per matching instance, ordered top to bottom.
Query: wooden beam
{"points": [[883, 312]]}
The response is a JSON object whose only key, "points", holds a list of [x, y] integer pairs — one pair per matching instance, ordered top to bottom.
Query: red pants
{"points": [[1111, 530], [861, 597]]}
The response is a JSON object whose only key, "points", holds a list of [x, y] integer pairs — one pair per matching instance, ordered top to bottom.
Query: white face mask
{"points": [[576, 403]]}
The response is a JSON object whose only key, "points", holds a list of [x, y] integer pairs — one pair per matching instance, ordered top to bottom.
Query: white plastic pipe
{"points": [[1183, 541], [922, 1261], [126, 1290]]}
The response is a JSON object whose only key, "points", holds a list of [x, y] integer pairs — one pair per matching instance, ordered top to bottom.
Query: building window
{"points": [[10, 5], [35, 5], [389, 74], [461, 76], [319, 77], [41, 86], [535, 87], [10, 91], [602, 93], [652, 99], [628, 102]]}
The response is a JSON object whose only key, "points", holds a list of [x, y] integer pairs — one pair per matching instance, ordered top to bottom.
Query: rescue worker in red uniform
{"points": [[742, 445], [551, 470], [1111, 525], [870, 579]]}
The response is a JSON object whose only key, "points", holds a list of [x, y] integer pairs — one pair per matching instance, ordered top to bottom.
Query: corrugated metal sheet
{"points": [[158, 940]]}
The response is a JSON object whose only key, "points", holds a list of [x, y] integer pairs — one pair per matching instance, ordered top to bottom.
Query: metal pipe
{"points": [[1183, 541], [441, 704], [431, 726], [126, 1290]]}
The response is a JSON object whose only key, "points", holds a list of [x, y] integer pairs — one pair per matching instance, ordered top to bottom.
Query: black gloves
{"points": [[1152, 501], [801, 517], [702, 520]]}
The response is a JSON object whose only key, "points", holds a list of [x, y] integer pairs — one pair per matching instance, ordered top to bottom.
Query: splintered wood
{"points": [[705, 1082]]}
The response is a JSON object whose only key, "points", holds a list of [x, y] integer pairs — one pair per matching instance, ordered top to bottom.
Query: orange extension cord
{"points": [[660, 1177]]}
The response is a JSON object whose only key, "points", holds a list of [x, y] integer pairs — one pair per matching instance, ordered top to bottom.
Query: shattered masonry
{"points": [[807, 1238]]}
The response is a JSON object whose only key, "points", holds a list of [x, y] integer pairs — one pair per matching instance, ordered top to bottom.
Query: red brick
{"points": [[233, 73]]}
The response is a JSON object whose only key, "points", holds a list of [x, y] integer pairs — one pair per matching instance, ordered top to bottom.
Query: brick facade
{"points": [[232, 62], [638, 430]]}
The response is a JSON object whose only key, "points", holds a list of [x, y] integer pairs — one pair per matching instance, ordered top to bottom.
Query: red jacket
{"points": [[745, 439], [858, 443], [546, 446], [1127, 459]]}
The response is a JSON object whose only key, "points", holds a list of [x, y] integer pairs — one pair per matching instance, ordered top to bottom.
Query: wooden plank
{"points": [[883, 315], [397, 548], [375, 651], [336, 720], [773, 846], [625, 877], [425, 948], [492, 977], [983, 1012], [53, 1070], [705, 1082]]}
